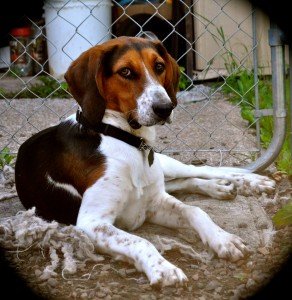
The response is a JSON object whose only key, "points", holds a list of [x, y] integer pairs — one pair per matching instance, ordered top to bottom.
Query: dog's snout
{"points": [[162, 110]]}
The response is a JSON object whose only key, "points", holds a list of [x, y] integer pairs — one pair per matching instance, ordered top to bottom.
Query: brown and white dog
{"points": [[99, 172]]}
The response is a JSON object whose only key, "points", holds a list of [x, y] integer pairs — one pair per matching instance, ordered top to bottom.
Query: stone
{"points": [[263, 250], [240, 262], [250, 265], [193, 266], [106, 267], [131, 271], [38, 272], [122, 272], [223, 272], [104, 273], [195, 277], [259, 277], [52, 282], [250, 283], [113, 284], [200, 285], [212, 285], [101, 295]]}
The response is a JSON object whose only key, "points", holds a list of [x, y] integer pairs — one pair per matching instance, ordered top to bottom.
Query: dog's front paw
{"points": [[221, 189], [228, 246], [164, 274]]}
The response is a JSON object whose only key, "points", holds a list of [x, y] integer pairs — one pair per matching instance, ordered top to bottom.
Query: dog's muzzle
{"points": [[163, 110]]}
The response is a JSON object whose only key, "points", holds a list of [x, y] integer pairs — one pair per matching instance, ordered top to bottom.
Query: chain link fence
{"points": [[212, 42]]}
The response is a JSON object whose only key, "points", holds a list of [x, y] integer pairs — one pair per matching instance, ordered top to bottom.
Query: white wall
{"points": [[235, 19]]}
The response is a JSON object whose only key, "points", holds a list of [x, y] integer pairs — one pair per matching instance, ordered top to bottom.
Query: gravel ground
{"points": [[210, 279]]}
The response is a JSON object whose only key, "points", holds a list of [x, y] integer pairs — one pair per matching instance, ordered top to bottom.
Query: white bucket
{"points": [[73, 27], [4, 57]]}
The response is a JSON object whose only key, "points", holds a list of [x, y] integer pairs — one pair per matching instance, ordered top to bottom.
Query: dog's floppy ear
{"points": [[172, 72], [82, 77], [172, 79]]}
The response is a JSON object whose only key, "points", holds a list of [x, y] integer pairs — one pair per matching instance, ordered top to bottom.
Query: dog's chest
{"points": [[139, 182], [134, 213]]}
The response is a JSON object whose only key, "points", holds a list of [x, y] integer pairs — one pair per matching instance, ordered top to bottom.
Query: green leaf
{"points": [[184, 81], [64, 86], [240, 87], [247, 114], [5, 157], [283, 216]]}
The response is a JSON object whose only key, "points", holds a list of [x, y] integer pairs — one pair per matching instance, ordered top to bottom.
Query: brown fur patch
{"points": [[82, 173]]}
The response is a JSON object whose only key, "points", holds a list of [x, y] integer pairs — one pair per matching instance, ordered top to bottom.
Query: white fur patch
{"points": [[145, 101], [71, 119], [65, 186]]}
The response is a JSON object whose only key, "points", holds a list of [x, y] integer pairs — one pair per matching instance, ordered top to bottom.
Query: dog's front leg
{"points": [[98, 211], [168, 211]]}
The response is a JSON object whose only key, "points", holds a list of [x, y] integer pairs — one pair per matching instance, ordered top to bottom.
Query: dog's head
{"points": [[132, 75]]}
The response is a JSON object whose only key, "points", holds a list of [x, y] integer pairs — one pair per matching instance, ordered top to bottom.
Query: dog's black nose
{"points": [[163, 110]]}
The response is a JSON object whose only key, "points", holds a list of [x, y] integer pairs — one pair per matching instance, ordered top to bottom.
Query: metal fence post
{"points": [[255, 72], [279, 111]]}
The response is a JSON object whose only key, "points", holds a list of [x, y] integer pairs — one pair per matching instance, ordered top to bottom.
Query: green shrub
{"points": [[47, 87], [240, 88]]}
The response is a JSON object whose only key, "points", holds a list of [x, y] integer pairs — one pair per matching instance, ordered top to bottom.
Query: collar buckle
{"points": [[143, 146]]}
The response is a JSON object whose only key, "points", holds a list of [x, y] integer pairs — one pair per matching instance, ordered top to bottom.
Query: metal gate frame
{"points": [[278, 112]]}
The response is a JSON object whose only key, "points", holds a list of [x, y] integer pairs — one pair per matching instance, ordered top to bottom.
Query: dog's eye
{"points": [[159, 67], [126, 73]]}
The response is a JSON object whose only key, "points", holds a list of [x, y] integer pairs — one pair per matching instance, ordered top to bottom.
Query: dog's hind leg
{"points": [[246, 182], [215, 188]]}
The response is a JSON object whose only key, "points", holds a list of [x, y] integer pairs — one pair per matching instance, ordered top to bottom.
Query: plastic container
{"points": [[73, 27], [20, 49]]}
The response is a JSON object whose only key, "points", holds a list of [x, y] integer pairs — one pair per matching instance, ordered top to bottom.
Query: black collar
{"points": [[117, 133]]}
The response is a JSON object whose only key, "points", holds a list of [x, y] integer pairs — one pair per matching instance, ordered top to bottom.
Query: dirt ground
{"points": [[209, 277]]}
